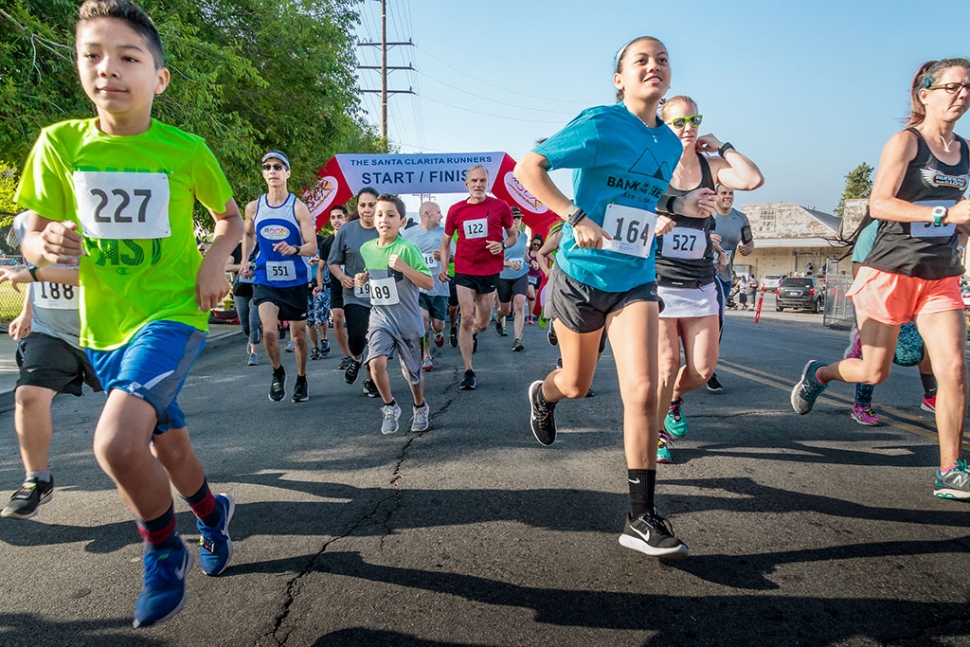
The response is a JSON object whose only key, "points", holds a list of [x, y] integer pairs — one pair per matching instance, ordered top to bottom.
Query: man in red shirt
{"points": [[485, 228]]}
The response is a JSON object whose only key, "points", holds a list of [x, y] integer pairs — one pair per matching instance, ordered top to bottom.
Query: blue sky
{"points": [[808, 90]]}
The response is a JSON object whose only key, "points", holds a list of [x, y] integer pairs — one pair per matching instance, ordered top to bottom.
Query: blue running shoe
{"points": [[804, 394], [674, 422], [663, 449], [955, 484], [215, 546], [163, 591]]}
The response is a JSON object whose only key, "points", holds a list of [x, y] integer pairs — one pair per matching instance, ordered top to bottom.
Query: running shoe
{"points": [[500, 326], [551, 337], [454, 338], [439, 339], [517, 346], [290, 347], [324, 348], [854, 349], [315, 353], [253, 360], [344, 363], [428, 365], [353, 368], [468, 382], [714, 385], [277, 388], [370, 389], [300, 390], [807, 390], [590, 393], [928, 404], [389, 416], [864, 416], [421, 417], [542, 419], [675, 422], [663, 448], [955, 484], [25, 501], [652, 535], [215, 546], [163, 590]]}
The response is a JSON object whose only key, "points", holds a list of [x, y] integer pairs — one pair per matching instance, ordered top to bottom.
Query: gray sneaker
{"points": [[253, 360], [804, 394], [390, 414], [421, 418], [955, 484], [25, 501]]}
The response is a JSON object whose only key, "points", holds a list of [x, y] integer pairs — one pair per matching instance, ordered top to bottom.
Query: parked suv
{"points": [[808, 292]]}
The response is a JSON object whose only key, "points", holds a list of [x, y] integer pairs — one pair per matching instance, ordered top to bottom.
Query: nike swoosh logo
{"points": [[635, 481], [180, 571]]}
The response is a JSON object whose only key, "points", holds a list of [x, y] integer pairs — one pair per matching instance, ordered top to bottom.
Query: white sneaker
{"points": [[390, 413], [421, 417]]}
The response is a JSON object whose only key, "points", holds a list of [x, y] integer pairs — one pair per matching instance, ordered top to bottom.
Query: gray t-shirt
{"points": [[729, 229], [428, 241], [346, 251], [516, 253], [394, 298], [55, 306]]}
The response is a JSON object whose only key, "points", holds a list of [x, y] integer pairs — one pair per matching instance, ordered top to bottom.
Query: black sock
{"points": [[279, 372], [929, 384], [391, 403], [643, 483]]}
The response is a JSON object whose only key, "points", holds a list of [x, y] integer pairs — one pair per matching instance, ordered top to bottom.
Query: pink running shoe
{"points": [[854, 349], [928, 404], [864, 416]]}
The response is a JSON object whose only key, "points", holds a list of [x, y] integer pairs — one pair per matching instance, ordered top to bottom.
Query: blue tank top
{"points": [[279, 225]]}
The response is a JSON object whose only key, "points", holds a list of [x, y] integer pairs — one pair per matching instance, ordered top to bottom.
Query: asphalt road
{"points": [[803, 530]]}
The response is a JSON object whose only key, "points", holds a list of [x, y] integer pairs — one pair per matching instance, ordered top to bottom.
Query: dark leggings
{"points": [[358, 318]]}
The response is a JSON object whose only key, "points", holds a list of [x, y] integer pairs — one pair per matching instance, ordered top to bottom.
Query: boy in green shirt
{"points": [[117, 192], [396, 271]]}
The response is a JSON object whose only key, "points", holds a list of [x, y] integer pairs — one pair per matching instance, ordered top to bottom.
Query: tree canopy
{"points": [[247, 75], [858, 184]]}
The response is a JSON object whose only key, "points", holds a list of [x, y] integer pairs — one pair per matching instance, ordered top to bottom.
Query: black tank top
{"points": [[919, 249], [686, 254]]}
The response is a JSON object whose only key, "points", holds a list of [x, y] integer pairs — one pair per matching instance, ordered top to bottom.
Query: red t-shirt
{"points": [[478, 225]]}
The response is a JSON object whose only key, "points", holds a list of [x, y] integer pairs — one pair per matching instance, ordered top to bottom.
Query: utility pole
{"points": [[385, 68]]}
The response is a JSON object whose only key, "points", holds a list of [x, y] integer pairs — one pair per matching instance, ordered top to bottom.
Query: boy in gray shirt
{"points": [[395, 273]]}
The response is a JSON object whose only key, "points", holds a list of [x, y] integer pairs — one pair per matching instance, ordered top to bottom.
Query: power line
{"points": [[479, 96], [489, 114]]}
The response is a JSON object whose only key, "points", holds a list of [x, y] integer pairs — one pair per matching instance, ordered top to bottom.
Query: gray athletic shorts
{"points": [[582, 308], [381, 342]]}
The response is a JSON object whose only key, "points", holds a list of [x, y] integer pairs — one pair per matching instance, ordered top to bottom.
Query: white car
{"points": [[771, 282], [965, 293]]}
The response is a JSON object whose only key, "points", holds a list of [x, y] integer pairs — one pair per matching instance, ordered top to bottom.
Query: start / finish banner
{"points": [[344, 175]]}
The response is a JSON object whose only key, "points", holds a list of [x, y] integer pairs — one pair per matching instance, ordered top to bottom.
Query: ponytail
{"points": [[926, 77]]}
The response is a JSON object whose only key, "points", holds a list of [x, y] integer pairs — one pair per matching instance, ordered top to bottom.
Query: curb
{"points": [[7, 397]]}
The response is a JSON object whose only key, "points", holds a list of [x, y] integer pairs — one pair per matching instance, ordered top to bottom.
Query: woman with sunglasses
{"points": [[622, 155], [686, 269], [913, 269], [535, 276]]}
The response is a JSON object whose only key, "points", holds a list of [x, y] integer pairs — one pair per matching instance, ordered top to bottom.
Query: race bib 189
{"points": [[121, 205], [476, 228], [632, 230], [684, 242], [280, 271], [383, 292], [55, 296]]}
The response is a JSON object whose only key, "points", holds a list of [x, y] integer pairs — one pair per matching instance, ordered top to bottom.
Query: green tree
{"points": [[247, 75], [858, 184], [8, 186]]}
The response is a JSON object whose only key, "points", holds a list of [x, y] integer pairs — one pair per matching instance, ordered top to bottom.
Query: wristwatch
{"points": [[939, 213], [32, 270]]}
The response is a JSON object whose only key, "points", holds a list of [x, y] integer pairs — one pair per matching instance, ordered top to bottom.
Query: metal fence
{"points": [[839, 312]]}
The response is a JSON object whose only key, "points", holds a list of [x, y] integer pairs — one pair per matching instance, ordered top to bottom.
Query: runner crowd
{"points": [[648, 269]]}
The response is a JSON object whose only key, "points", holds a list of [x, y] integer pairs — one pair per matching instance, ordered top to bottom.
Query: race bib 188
{"points": [[120, 205], [476, 228], [632, 230], [383, 292], [55, 296]]}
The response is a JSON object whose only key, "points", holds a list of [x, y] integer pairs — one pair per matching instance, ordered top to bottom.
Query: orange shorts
{"points": [[894, 299]]}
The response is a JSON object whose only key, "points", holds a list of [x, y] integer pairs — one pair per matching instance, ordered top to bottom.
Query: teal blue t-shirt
{"points": [[619, 160], [864, 242]]}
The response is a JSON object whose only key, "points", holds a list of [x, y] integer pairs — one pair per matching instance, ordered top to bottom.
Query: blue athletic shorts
{"points": [[318, 309], [152, 366]]}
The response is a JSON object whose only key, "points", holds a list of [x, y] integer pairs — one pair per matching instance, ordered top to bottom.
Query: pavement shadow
{"points": [[103, 539], [678, 620], [30, 630], [363, 637]]}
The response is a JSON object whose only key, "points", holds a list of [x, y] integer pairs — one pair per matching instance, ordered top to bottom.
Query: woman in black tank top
{"points": [[686, 269], [913, 271]]}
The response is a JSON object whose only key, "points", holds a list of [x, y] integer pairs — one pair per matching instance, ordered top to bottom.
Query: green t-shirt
{"points": [[133, 197], [394, 299]]}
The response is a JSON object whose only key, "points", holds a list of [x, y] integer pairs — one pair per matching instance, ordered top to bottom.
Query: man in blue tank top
{"points": [[282, 226]]}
